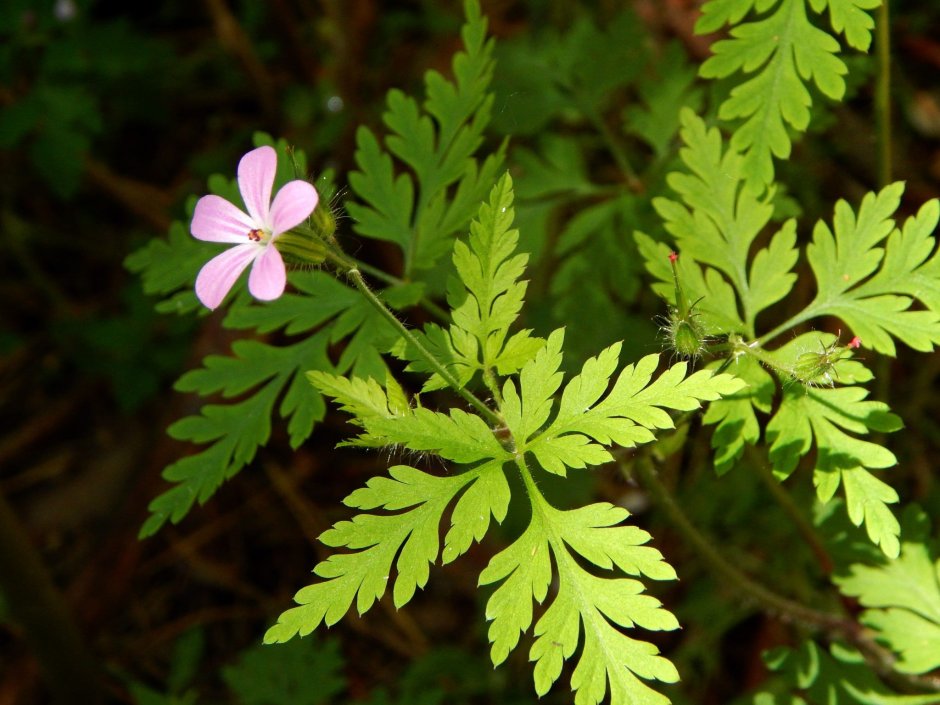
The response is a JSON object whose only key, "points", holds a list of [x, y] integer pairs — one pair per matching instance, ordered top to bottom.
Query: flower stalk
{"points": [[359, 282], [811, 368]]}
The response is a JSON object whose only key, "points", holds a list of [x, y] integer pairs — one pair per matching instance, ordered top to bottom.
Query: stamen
{"points": [[255, 235]]}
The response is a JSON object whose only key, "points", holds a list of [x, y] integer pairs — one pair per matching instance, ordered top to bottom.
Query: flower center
{"points": [[256, 235]]}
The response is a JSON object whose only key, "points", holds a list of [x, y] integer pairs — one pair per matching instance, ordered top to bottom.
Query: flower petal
{"points": [[256, 172], [292, 205], [218, 220], [222, 271], [268, 276]]}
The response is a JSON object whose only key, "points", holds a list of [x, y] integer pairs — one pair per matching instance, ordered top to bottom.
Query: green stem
{"points": [[883, 94], [883, 139], [629, 173], [341, 259], [350, 267], [353, 273], [426, 303], [803, 316], [755, 350], [489, 379], [528, 481], [783, 498], [541, 509], [768, 600], [773, 604], [70, 670]]}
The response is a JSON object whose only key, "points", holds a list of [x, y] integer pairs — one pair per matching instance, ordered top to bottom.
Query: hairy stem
{"points": [[883, 94], [883, 139], [629, 173], [345, 262], [356, 276], [426, 303], [803, 316], [754, 349], [491, 382], [536, 498], [786, 503], [769, 601], [833, 625]]}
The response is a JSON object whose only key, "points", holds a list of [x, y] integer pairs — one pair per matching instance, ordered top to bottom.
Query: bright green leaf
{"points": [[781, 52], [852, 285], [903, 596], [588, 610]]}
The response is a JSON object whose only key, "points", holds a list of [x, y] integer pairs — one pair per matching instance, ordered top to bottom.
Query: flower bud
{"points": [[323, 221], [309, 243], [301, 246], [684, 333], [686, 337], [819, 368]]}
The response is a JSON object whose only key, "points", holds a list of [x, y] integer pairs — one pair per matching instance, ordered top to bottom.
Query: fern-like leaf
{"points": [[782, 51], [437, 143], [439, 147], [716, 223], [486, 300], [876, 301], [266, 373], [832, 419], [376, 540], [902, 596], [587, 609], [831, 676]]}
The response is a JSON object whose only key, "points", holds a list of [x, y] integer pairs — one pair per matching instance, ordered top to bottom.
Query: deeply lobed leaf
{"points": [[782, 52], [437, 142], [716, 223], [872, 284], [486, 300], [828, 417], [584, 423], [376, 540], [902, 596], [586, 609], [835, 675]]}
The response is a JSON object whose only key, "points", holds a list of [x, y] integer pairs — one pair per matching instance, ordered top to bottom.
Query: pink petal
{"points": [[255, 180], [292, 205], [217, 220], [220, 273], [268, 276]]}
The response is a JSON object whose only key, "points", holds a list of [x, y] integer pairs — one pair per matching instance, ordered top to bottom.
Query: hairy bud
{"points": [[308, 244], [301, 247], [683, 331], [819, 367]]}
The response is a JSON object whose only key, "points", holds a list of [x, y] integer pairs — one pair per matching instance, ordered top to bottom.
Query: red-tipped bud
{"points": [[683, 331], [819, 368]]}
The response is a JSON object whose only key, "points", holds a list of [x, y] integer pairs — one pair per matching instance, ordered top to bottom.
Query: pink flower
{"points": [[252, 233]]}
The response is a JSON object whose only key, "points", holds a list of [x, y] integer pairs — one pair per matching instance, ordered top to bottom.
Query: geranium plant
{"points": [[490, 396]]}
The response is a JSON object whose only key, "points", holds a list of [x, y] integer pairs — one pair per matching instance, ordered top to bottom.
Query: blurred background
{"points": [[111, 115]]}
